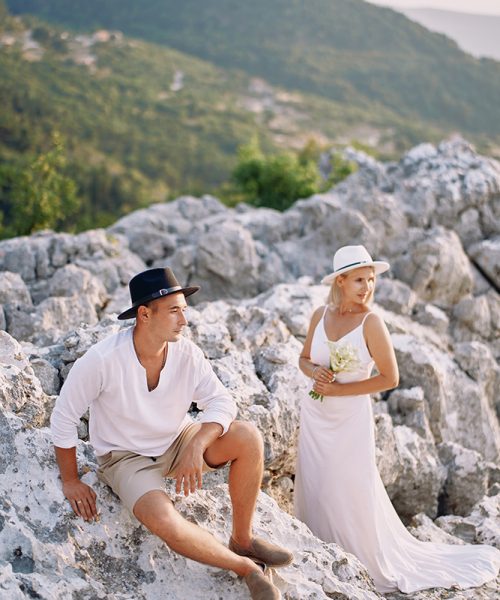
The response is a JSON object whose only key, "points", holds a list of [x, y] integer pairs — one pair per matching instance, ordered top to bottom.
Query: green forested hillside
{"points": [[345, 50], [122, 122], [140, 123], [131, 135]]}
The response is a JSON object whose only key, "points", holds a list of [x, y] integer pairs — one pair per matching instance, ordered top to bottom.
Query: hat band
{"points": [[360, 262], [158, 294]]}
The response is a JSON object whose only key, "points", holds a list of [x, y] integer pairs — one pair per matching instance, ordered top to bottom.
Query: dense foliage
{"points": [[346, 50], [129, 139], [278, 180], [275, 181], [40, 196]]}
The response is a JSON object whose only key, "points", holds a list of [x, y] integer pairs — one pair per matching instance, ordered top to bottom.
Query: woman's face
{"points": [[357, 285]]}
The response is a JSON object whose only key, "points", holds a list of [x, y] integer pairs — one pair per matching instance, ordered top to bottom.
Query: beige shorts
{"points": [[131, 475]]}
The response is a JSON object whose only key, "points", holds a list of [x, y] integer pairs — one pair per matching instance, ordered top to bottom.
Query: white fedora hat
{"points": [[348, 258]]}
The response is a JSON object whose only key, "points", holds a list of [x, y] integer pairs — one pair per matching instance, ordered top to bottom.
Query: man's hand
{"points": [[190, 468], [82, 499]]}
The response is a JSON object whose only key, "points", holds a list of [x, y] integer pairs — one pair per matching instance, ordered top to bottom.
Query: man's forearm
{"points": [[207, 434], [66, 460]]}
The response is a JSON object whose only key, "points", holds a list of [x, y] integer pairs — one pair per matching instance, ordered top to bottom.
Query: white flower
{"points": [[343, 357]]}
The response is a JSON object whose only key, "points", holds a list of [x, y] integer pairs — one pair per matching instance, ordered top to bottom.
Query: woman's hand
{"points": [[323, 375], [324, 381], [326, 388]]}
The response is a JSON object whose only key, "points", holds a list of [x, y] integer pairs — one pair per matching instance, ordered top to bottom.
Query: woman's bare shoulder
{"points": [[318, 313], [316, 316], [372, 320], [374, 326]]}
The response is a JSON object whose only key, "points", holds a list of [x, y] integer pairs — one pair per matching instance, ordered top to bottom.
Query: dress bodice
{"points": [[320, 352]]}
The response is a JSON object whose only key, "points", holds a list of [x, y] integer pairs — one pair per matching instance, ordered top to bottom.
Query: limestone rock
{"points": [[434, 215], [323, 221], [486, 254], [227, 263], [434, 265], [70, 281], [13, 290], [395, 296], [295, 304], [474, 313], [431, 316], [77, 342], [476, 359], [47, 375], [20, 390], [407, 407], [457, 407], [386, 452], [421, 475], [466, 481], [481, 526], [458, 527], [425, 530], [43, 547]]}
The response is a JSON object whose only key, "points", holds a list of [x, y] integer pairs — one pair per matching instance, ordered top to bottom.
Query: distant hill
{"points": [[477, 34], [348, 51], [142, 122]]}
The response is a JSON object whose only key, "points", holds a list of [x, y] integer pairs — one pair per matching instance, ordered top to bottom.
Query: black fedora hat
{"points": [[152, 284]]}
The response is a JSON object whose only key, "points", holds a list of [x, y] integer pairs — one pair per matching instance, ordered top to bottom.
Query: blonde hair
{"points": [[335, 294]]}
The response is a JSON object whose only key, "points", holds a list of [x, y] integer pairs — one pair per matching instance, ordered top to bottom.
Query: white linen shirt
{"points": [[124, 414]]}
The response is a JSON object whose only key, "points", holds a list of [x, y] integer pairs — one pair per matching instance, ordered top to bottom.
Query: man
{"points": [[139, 384]]}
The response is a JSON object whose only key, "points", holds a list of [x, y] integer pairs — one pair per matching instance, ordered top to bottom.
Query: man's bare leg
{"points": [[242, 445], [157, 512]]}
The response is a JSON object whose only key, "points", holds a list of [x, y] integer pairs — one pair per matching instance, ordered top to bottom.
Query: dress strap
{"points": [[324, 312], [362, 324]]}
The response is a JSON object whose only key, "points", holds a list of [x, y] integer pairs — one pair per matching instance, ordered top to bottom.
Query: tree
{"points": [[276, 181], [42, 195]]}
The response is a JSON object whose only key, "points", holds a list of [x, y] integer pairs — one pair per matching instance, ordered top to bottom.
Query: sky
{"points": [[487, 7]]}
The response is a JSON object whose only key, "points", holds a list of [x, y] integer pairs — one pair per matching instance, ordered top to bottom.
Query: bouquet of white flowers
{"points": [[343, 357]]}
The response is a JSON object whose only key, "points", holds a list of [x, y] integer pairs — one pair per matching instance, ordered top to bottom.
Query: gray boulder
{"points": [[486, 255], [432, 262], [227, 263], [13, 290], [20, 390], [457, 407], [421, 475], [466, 481], [481, 526], [43, 547]]}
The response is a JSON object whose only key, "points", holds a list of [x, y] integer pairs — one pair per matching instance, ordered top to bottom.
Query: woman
{"points": [[338, 491]]}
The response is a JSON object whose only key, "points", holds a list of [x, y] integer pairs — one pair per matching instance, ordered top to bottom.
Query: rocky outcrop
{"points": [[434, 215], [42, 547]]}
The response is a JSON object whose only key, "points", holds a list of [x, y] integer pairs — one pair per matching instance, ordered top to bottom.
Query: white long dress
{"points": [[339, 493]]}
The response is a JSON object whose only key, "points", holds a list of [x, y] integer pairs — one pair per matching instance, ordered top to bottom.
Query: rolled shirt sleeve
{"points": [[81, 387], [213, 399]]}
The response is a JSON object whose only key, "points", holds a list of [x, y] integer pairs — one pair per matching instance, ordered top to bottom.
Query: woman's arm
{"points": [[380, 347], [312, 370]]}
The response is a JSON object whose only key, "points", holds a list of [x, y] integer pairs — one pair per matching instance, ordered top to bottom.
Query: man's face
{"points": [[167, 317]]}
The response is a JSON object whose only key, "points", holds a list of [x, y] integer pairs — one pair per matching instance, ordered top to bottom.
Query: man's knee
{"points": [[247, 436], [156, 511]]}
